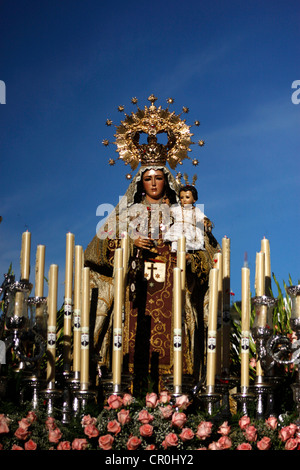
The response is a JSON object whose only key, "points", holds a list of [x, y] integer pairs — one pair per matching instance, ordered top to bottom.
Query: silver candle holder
{"points": [[262, 386]]}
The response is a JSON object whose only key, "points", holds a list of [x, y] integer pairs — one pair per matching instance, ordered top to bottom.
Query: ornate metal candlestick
{"points": [[262, 332], [25, 336], [284, 351], [223, 386], [210, 398], [244, 398]]}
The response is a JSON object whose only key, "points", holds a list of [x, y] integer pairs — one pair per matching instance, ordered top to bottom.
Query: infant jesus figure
{"points": [[189, 221]]}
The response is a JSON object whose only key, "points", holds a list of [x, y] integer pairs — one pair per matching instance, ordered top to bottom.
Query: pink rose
{"points": [[164, 397], [127, 399], [151, 400], [114, 402], [182, 402], [166, 411], [31, 416], [123, 417], [145, 417], [87, 419], [178, 419], [244, 422], [24, 423], [50, 423], [271, 423], [3, 426], [114, 426], [293, 428], [224, 429], [90, 430], [146, 430], [204, 430], [22, 433], [250, 433], [285, 433], [186, 434], [54, 435], [171, 440], [106, 442], [133, 443], [224, 443], [264, 443], [79, 444], [291, 444], [30, 445], [64, 445], [213, 446], [244, 446], [15, 447]]}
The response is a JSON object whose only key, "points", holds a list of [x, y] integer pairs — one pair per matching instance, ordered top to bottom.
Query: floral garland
{"points": [[161, 424]]}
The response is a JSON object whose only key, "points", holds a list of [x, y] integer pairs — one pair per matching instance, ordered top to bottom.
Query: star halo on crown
{"points": [[153, 120]]}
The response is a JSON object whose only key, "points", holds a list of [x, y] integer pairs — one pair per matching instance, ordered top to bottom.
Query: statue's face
{"points": [[154, 184], [186, 197]]}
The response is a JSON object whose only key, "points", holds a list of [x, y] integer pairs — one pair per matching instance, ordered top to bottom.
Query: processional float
{"points": [[29, 324]]}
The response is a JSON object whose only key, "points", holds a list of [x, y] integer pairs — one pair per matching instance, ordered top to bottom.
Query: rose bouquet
{"points": [[160, 423]]}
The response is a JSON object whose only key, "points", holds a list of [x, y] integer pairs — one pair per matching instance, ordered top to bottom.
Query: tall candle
{"points": [[181, 244], [125, 248], [265, 248], [25, 256], [118, 258], [181, 264], [219, 265], [40, 270], [260, 274], [39, 280], [68, 300], [226, 303], [77, 310], [261, 310], [51, 326], [117, 326], [212, 328], [245, 328], [85, 330], [177, 333]]}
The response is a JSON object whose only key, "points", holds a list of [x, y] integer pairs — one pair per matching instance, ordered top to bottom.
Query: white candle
{"points": [[181, 244], [125, 248], [265, 248], [25, 256], [181, 264], [219, 265], [260, 274], [39, 279], [68, 299], [226, 303], [77, 309], [261, 310], [177, 325], [117, 326], [51, 327], [212, 328], [245, 328], [85, 330]]}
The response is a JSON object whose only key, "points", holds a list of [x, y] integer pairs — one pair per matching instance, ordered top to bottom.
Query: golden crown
{"points": [[153, 120]]}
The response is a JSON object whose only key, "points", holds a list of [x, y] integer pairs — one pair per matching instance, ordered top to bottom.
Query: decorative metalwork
{"points": [[153, 121]]}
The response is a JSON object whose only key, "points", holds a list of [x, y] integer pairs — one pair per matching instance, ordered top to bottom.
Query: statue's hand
{"points": [[144, 243]]}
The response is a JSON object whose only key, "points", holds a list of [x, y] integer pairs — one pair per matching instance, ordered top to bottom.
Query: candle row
{"points": [[76, 306]]}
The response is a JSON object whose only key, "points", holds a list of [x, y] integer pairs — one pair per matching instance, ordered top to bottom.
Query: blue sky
{"points": [[67, 65]]}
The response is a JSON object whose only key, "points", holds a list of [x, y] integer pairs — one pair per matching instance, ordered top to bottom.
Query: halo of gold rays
{"points": [[153, 120]]}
